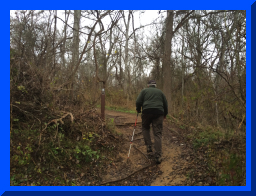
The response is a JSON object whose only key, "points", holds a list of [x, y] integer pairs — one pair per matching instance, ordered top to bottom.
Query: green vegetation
{"points": [[111, 125], [204, 138], [223, 151], [35, 161]]}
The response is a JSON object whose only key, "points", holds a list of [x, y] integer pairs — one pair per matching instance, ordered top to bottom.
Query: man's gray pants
{"points": [[157, 124]]}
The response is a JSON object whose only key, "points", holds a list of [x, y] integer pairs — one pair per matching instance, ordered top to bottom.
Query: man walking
{"points": [[154, 110]]}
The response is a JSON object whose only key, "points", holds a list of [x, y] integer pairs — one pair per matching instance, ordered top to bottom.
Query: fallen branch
{"points": [[59, 119], [56, 122]]}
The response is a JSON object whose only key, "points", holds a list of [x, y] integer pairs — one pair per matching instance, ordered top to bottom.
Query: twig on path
{"points": [[174, 131], [138, 133], [138, 139], [176, 173], [172, 178], [111, 181]]}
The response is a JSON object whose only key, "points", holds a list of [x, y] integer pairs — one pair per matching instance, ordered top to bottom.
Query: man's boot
{"points": [[149, 149], [158, 159]]}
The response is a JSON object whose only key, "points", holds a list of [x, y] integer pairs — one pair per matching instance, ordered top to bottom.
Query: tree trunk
{"points": [[54, 38], [63, 46], [75, 47], [167, 63], [127, 68], [182, 72]]}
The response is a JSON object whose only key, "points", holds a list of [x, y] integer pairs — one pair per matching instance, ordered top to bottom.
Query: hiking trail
{"points": [[139, 170]]}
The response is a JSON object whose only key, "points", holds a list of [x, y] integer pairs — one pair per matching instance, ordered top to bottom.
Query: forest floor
{"points": [[91, 152], [141, 169]]}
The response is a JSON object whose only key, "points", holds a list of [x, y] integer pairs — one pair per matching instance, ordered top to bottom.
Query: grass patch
{"points": [[119, 109]]}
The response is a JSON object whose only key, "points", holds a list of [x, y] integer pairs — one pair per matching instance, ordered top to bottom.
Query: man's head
{"points": [[152, 83]]}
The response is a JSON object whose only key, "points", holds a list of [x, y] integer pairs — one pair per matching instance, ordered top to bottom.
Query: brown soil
{"points": [[139, 169]]}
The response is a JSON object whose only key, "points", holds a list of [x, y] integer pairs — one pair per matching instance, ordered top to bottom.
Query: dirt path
{"points": [[139, 167]]}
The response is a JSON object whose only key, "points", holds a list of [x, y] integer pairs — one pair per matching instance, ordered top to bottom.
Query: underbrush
{"points": [[117, 100], [57, 138], [61, 152], [220, 156]]}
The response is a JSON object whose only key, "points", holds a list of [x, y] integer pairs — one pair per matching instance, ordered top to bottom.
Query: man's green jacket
{"points": [[152, 98]]}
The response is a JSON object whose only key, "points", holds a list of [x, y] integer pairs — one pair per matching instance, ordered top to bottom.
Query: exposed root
{"points": [[145, 156]]}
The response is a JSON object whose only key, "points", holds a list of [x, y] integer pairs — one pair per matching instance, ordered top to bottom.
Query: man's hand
{"points": [[164, 117]]}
